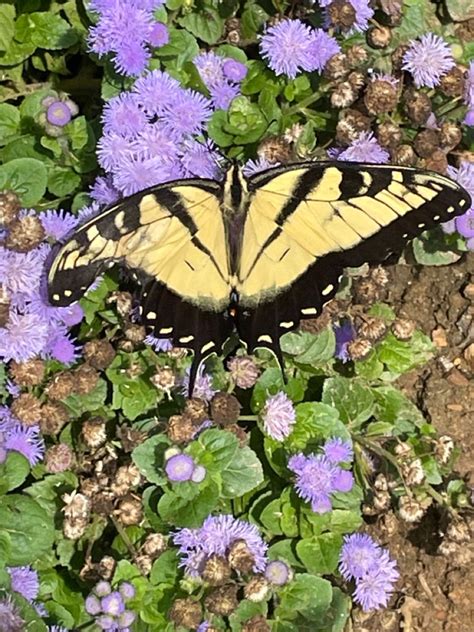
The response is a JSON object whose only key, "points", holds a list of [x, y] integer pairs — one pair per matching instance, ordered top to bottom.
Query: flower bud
{"points": [[25, 234], [243, 371], [225, 408], [59, 458], [278, 573], [257, 589]]}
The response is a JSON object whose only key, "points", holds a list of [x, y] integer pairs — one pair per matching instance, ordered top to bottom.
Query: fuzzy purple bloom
{"points": [[159, 35], [286, 47], [322, 47], [132, 58], [428, 59], [210, 67], [234, 70], [469, 87], [154, 90], [222, 95], [186, 112], [58, 114], [124, 115], [365, 149], [201, 160], [252, 167], [102, 192], [58, 224], [21, 272], [344, 334], [24, 337], [159, 344], [61, 347], [203, 387], [278, 416], [26, 440], [338, 450], [179, 467], [199, 474], [317, 478], [216, 536], [359, 555], [277, 573], [24, 580], [102, 589], [127, 590], [112, 604], [92, 605], [10, 616], [125, 619], [106, 622]]}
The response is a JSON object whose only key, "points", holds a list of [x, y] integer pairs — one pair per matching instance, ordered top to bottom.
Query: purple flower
{"points": [[159, 35], [286, 47], [322, 48], [132, 58], [428, 59], [210, 67], [234, 70], [469, 87], [155, 90], [222, 94], [186, 112], [58, 114], [123, 115], [469, 118], [156, 141], [112, 149], [365, 149], [201, 160], [251, 167], [136, 174], [465, 176], [102, 192], [57, 224], [465, 224], [21, 271], [71, 315], [345, 334], [24, 337], [159, 344], [61, 347], [202, 385], [278, 416], [26, 440], [338, 451], [179, 467], [199, 473], [317, 478], [216, 536], [359, 555], [278, 573], [24, 580], [102, 589], [127, 590], [112, 604], [92, 605], [10, 616], [125, 619], [106, 622], [203, 627]]}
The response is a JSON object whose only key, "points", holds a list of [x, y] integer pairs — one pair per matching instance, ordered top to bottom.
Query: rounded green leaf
{"points": [[27, 177]]}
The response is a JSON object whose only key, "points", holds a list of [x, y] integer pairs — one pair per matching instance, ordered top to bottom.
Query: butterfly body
{"points": [[254, 255]]}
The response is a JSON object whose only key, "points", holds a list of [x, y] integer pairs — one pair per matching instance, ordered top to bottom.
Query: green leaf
{"points": [[460, 10], [419, 17], [253, 18], [205, 23], [7, 24], [45, 30], [181, 47], [9, 119], [245, 121], [79, 133], [27, 177], [63, 181], [434, 248], [321, 349], [400, 356], [353, 399], [79, 404], [394, 408], [315, 422], [220, 445], [149, 456], [14, 470], [242, 474], [47, 492], [181, 512], [271, 516], [336, 521], [29, 526], [5, 548], [320, 554], [165, 568], [306, 595], [245, 611], [335, 618]]}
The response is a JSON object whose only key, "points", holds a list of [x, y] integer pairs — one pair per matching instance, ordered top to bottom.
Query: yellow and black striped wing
{"points": [[306, 222], [172, 237]]}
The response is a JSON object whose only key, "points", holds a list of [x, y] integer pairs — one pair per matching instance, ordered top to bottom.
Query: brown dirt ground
{"points": [[436, 593]]}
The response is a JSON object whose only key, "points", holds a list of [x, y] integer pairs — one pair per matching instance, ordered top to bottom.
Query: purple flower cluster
{"points": [[363, 13], [128, 29], [291, 47], [427, 60], [221, 77], [469, 96], [150, 138], [365, 148], [464, 224], [34, 327], [203, 387], [278, 416], [14, 436], [182, 467], [318, 476], [215, 537], [364, 561], [25, 581], [109, 606]]}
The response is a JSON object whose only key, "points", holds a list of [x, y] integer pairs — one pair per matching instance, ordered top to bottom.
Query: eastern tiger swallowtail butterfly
{"points": [[254, 255]]}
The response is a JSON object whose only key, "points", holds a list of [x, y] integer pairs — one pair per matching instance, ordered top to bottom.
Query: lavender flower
{"points": [[363, 13], [159, 35], [287, 47], [322, 47], [132, 58], [428, 60], [210, 67], [234, 70], [154, 90], [223, 94], [186, 112], [58, 114], [123, 115], [365, 149], [201, 160], [252, 167], [103, 192], [58, 224], [464, 224], [21, 272], [345, 334], [24, 337], [159, 344], [203, 388], [278, 416], [24, 439], [338, 451], [179, 467], [317, 478], [216, 536], [370, 566], [278, 573], [24, 580], [102, 589], [127, 590], [112, 604], [92, 605], [10, 616]]}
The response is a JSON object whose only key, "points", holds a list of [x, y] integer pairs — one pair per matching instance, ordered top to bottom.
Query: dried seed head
{"points": [[341, 14], [233, 31], [379, 36], [233, 37], [356, 56], [397, 58], [337, 67], [356, 79], [453, 82], [343, 95], [380, 97], [418, 106], [350, 125], [293, 133], [389, 134], [450, 135], [426, 142], [275, 149], [403, 155], [437, 161], [9, 207], [25, 234], [366, 291], [124, 302], [372, 328], [403, 329], [135, 333], [359, 349], [99, 353], [177, 353], [134, 370], [243, 371], [29, 373], [85, 379], [164, 379], [61, 386], [225, 408], [27, 409], [196, 410], [54, 416], [180, 429], [94, 432], [240, 433], [130, 437], [443, 449], [403, 450], [58, 458], [413, 472], [126, 478], [381, 483], [90, 487], [381, 501], [103, 503], [77, 506], [410, 510], [130, 511], [74, 529], [458, 531], [155, 544], [448, 549], [240, 557], [144, 563], [106, 567], [216, 571], [257, 589], [222, 600], [186, 613], [258, 623]]}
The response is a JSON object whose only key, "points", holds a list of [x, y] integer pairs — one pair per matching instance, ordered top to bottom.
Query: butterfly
{"points": [[253, 255]]}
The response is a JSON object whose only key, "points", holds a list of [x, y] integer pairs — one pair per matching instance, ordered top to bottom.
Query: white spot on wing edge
{"points": [[328, 289], [309, 311], [287, 324], [166, 330], [265, 338], [186, 339], [207, 346]]}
